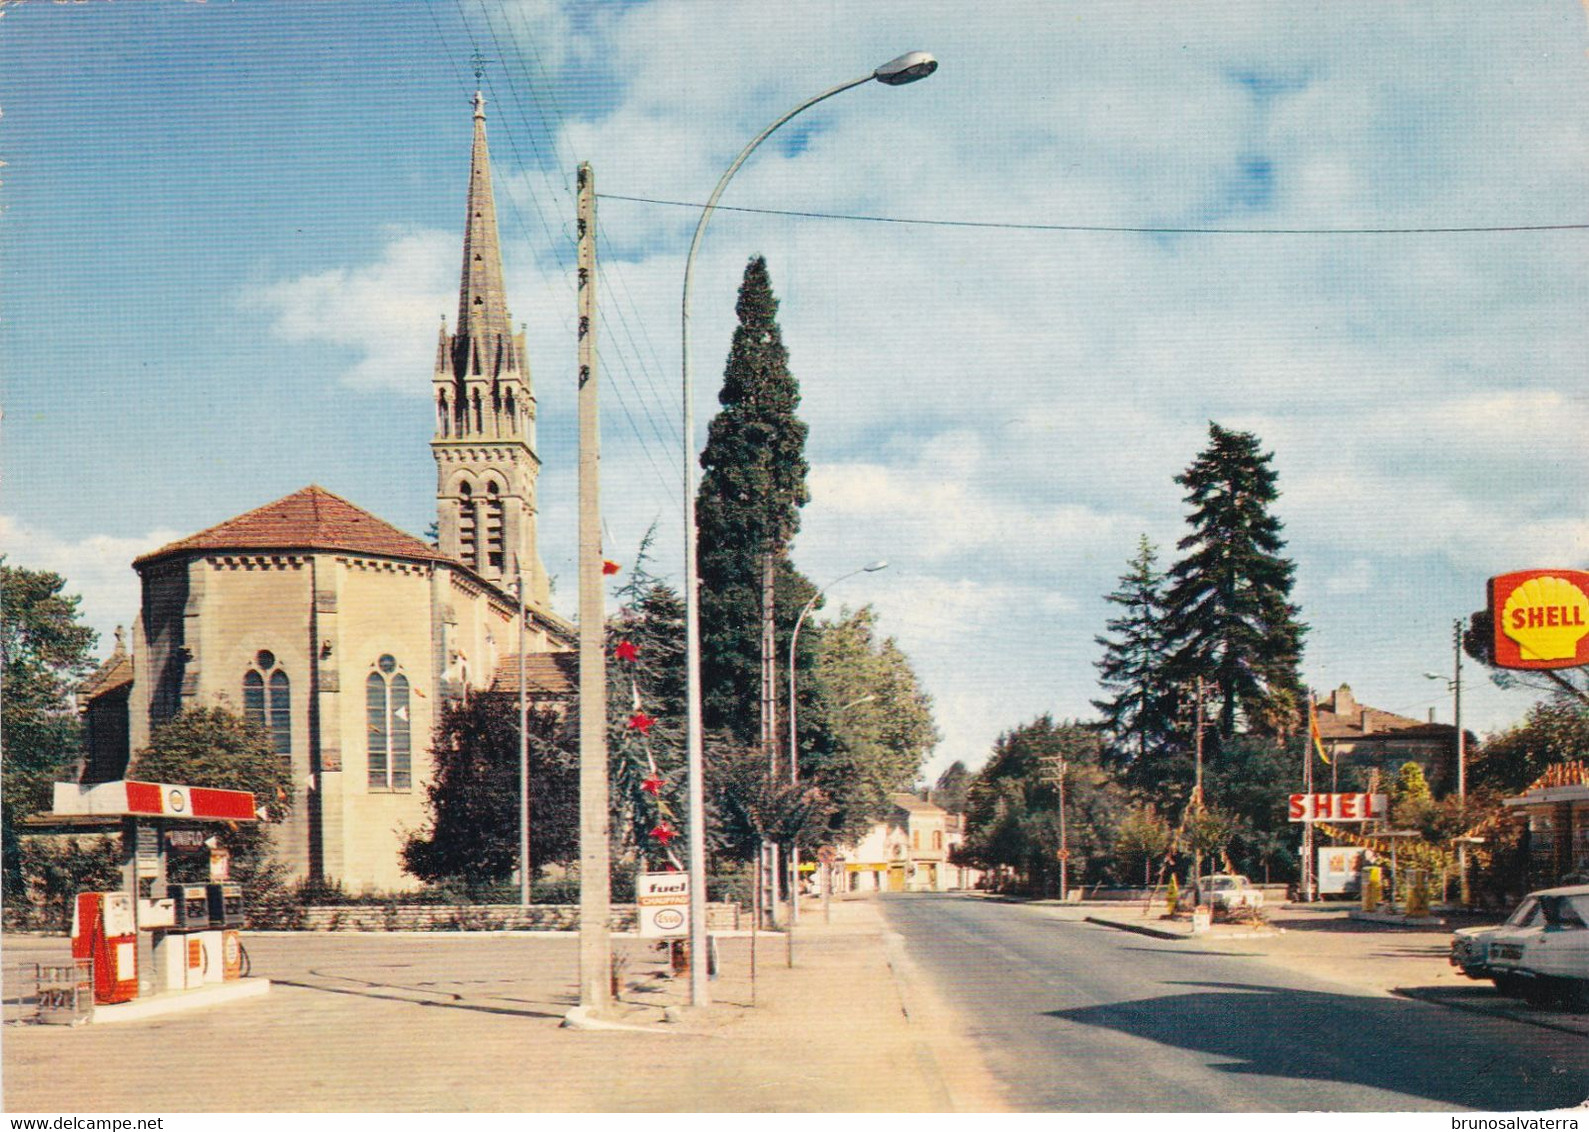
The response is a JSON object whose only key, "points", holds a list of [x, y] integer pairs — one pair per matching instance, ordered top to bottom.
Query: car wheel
{"points": [[1509, 985], [1539, 992]]}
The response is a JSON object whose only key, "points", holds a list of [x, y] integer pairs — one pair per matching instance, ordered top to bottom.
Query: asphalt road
{"points": [[1073, 1016]]}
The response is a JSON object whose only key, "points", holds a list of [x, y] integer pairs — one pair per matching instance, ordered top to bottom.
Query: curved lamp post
{"points": [[908, 68], [794, 731]]}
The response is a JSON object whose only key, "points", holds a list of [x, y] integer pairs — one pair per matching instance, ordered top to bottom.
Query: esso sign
{"points": [[1541, 618], [1338, 807]]}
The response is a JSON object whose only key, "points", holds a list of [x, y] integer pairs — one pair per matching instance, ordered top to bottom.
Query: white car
{"points": [[1228, 892], [1470, 947], [1546, 957]]}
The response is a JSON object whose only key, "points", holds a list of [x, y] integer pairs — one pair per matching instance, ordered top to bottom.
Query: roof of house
{"points": [[310, 519], [116, 672], [547, 675], [1342, 718], [915, 805]]}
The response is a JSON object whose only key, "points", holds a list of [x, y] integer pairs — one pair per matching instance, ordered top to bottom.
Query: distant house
{"points": [[1361, 739], [908, 851]]}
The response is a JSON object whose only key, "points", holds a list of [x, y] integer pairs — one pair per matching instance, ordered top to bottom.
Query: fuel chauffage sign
{"points": [[1541, 618]]}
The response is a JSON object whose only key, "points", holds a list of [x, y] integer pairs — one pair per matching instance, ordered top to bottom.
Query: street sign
{"points": [[1338, 807], [663, 901]]}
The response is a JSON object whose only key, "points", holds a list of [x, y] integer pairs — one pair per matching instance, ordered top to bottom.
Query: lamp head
{"points": [[908, 68], [880, 564], [1433, 676]]}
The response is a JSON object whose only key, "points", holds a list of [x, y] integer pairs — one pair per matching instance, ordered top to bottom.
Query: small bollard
{"points": [[1202, 916]]}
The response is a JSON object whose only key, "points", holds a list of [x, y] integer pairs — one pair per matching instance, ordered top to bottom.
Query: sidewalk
{"points": [[1369, 958], [464, 1023]]}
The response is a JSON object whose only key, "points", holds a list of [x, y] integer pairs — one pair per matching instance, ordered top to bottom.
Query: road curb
{"points": [[1139, 929], [1417, 994]]}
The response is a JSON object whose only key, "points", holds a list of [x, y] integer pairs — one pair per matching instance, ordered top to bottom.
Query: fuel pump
{"points": [[226, 922], [103, 929]]}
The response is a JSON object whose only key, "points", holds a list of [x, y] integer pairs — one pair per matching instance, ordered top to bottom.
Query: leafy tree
{"points": [[748, 510], [1228, 610], [44, 654], [1138, 715], [878, 717], [1554, 730], [213, 747], [1251, 781], [950, 789], [750, 808], [1012, 816], [473, 833], [1142, 835]]}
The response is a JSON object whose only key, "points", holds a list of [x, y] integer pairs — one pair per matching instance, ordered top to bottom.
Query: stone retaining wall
{"points": [[481, 917]]}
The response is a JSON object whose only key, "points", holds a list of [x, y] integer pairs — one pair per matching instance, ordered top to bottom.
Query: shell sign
{"points": [[1541, 618]]}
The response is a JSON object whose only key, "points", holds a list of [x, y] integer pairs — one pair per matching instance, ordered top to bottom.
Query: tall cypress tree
{"points": [[748, 509], [1228, 610], [1138, 715]]}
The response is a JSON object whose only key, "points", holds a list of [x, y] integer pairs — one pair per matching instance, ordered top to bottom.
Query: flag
{"points": [[1313, 731]]}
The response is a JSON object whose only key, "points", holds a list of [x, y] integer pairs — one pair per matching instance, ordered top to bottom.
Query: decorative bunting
{"points": [[608, 566], [626, 650], [642, 722], [652, 785], [664, 833]]}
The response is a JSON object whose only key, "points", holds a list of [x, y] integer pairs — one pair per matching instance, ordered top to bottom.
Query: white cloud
{"points": [[384, 313]]}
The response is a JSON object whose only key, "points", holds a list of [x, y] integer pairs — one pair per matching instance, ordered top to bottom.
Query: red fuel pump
{"points": [[103, 930]]}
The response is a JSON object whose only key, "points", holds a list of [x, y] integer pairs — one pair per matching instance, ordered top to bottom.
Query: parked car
{"points": [[1229, 892], [1470, 947], [1546, 957]]}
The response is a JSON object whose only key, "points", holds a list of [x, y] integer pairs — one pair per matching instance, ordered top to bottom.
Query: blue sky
{"points": [[229, 232]]}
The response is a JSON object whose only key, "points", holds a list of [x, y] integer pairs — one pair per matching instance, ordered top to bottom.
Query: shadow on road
{"points": [[1371, 1042]]}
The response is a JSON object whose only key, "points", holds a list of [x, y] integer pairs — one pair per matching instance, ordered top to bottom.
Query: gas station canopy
{"points": [[128, 798]]}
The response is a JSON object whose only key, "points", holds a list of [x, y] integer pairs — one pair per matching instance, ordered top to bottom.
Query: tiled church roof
{"points": [[310, 519], [546, 674]]}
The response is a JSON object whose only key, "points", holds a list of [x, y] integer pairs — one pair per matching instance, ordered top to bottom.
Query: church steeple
{"points": [[482, 299], [485, 410]]}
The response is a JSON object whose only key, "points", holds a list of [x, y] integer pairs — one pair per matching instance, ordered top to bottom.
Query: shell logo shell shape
{"points": [[1547, 616]]}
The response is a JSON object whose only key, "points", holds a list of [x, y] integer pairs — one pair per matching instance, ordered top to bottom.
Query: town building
{"points": [[339, 634], [1361, 740], [908, 851]]}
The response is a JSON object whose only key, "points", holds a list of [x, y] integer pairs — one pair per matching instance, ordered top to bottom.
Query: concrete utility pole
{"points": [[524, 745], [1463, 889], [595, 960]]}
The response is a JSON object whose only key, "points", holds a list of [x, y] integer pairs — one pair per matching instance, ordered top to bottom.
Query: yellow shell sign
{"points": [[1541, 618]]}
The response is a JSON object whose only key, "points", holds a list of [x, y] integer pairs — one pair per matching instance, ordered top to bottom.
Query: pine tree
{"points": [[748, 510], [1228, 610], [1138, 715]]}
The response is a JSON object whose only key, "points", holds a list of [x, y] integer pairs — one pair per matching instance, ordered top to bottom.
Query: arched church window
{"points": [[513, 413], [443, 417], [479, 426], [267, 701], [390, 738]]}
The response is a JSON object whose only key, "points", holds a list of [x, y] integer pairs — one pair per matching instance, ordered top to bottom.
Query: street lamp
{"points": [[907, 68], [1454, 685], [794, 731]]}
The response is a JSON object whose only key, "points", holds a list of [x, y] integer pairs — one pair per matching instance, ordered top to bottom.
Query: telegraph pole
{"points": [[1463, 888], [595, 962]]}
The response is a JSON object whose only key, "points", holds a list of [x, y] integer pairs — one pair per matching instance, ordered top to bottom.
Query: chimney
{"points": [[1368, 724]]}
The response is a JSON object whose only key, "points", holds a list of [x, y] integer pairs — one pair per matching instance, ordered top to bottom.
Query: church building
{"points": [[341, 635]]}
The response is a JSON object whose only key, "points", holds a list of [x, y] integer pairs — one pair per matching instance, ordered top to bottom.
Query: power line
{"points": [[1156, 230]]}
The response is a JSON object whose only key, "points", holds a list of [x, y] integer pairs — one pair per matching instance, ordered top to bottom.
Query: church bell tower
{"points": [[484, 444]]}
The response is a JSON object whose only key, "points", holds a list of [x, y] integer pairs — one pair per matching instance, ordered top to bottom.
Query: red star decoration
{"points": [[608, 566], [626, 650], [642, 722], [652, 785], [664, 833]]}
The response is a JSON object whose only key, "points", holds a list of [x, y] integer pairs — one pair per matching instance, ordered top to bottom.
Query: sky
{"points": [[228, 233]]}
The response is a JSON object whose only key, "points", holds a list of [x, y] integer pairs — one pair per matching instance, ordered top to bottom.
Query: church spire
{"points": [[483, 319]]}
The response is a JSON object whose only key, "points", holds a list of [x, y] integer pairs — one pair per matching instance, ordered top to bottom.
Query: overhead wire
{"points": [[1151, 230]]}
